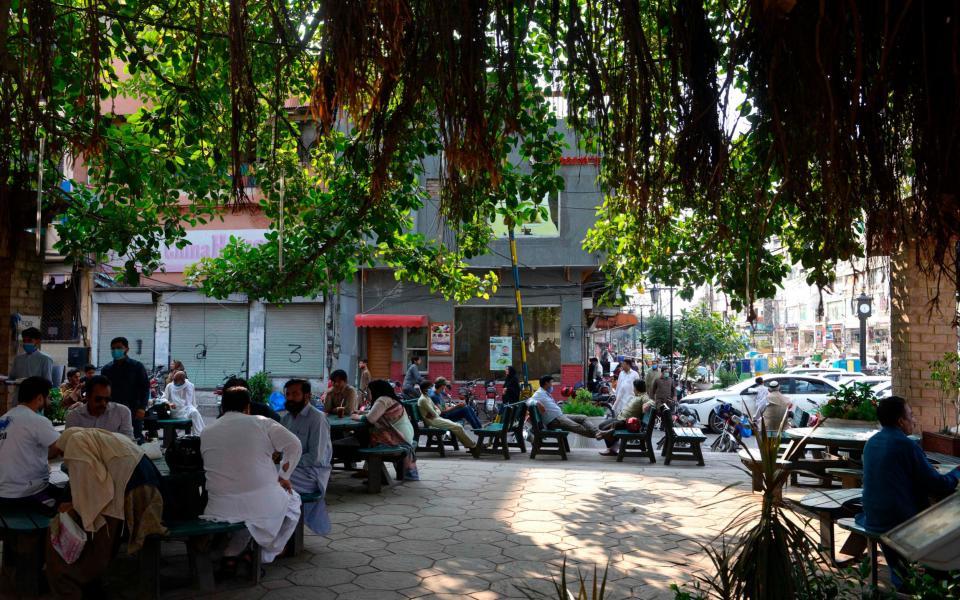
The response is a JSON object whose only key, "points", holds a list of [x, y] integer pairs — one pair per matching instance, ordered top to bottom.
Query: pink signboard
{"points": [[206, 243]]}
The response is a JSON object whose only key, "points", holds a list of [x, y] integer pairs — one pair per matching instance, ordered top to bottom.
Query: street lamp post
{"points": [[671, 332]]}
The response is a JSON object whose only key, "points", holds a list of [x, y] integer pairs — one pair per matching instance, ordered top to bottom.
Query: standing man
{"points": [[605, 361], [32, 362], [653, 373], [594, 376], [412, 378], [128, 382], [625, 385], [364, 387], [663, 387], [341, 395], [763, 395], [98, 412], [553, 417], [27, 442], [313, 471], [243, 482]]}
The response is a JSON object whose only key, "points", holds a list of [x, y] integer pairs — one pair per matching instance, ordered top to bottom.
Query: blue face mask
{"points": [[29, 348], [117, 353]]}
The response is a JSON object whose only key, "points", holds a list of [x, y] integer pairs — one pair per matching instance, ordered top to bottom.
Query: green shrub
{"points": [[727, 378], [260, 387], [583, 395], [852, 401], [583, 408], [56, 412]]}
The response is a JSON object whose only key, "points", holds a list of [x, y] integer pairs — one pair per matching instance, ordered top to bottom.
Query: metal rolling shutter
{"points": [[136, 322], [211, 340], [294, 340]]}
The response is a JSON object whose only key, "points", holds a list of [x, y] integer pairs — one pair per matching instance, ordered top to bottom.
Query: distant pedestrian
{"points": [[605, 359], [594, 376], [129, 383], [625, 385], [511, 386], [364, 387]]}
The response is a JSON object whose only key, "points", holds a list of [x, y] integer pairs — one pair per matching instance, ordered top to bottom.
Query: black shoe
{"points": [[477, 450]]}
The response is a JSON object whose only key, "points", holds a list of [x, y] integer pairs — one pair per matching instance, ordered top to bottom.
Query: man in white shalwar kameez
{"points": [[180, 395], [313, 473], [243, 482]]}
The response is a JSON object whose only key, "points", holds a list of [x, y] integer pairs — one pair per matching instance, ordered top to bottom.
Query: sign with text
{"points": [[206, 243], [501, 352]]}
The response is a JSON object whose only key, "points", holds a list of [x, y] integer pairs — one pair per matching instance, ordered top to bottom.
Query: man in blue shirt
{"points": [[129, 383], [453, 412], [552, 414], [312, 473], [898, 480]]}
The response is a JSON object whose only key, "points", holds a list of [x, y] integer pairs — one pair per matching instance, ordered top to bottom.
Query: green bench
{"points": [[497, 433], [437, 439], [547, 441], [638, 443], [681, 443], [377, 475], [849, 478], [24, 534], [198, 535], [872, 541], [295, 545]]}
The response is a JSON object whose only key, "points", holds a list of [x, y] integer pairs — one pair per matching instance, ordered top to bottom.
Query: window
{"points": [[549, 227], [836, 310], [59, 320], [476, 325], [415, 344], [809, 386]]}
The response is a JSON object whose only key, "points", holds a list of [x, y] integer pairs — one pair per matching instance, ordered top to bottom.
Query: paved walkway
{"points": [[474, 529]]}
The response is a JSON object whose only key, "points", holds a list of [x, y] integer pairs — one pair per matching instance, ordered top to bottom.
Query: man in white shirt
{"points": [[625, 385], [763, 395], [180, 396], [97, 411], [552, 414], [27, 442], [242, 478]]}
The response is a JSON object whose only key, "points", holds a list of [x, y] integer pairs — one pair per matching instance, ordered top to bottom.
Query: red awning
{"points": [[366, 320], [617, 321]]}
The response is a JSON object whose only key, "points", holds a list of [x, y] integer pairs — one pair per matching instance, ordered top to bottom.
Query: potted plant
{"points": [[946, 377], [582, 404], [853, 405]]}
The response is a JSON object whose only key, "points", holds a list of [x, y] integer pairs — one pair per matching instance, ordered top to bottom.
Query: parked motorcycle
{"points": [[731, 434]]}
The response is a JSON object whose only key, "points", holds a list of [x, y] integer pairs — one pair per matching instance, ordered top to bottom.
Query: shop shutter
{"points": [[136, 322], [294, 340], [211, 341], [379, 351]]}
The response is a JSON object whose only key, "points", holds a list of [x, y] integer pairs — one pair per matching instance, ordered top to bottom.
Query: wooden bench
{"points": [[519, 419], [497, 433], [690, 436], [436, 437], [547, 441], [638, 443], [751, 460], [377, 475], [849, 478], [828, 506], [197, 534], [24, 535], [872, 539], [295, 545]]}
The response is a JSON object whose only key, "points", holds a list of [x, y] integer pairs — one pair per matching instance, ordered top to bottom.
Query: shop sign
{"points": [[441, 338], [501, 352]]}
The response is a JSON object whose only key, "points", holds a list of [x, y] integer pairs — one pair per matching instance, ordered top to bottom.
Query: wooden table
{"points": [[834, 438], [828, 506]]}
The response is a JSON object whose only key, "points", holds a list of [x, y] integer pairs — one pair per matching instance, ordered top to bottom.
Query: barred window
{"points": [[60, 320]]}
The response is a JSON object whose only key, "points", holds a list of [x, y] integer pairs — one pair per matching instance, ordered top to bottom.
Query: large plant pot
{"points": [[850, 423], [941, 442]]}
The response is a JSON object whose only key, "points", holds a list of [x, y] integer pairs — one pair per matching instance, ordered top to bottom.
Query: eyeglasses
{"points": [[102, 398]]}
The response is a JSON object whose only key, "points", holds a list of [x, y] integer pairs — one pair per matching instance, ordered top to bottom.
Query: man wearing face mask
{"points": [[33, 362], [129, 382], [313, 471]]}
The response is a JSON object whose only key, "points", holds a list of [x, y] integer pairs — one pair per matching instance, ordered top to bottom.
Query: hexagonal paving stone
{"points": [[384, 519], [371, 531], [425, 534], [358, 544], [467, 550], [401, 562], [321, 577], [387, 580], [455, 584]]}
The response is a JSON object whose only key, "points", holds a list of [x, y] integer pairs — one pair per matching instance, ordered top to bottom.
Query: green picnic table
{"points": [[345, 424]]}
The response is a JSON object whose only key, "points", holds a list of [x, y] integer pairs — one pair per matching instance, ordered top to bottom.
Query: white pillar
{"points": [[161, 340], [255, 351]]}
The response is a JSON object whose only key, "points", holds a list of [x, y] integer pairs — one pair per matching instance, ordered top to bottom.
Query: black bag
{"points": [[160, 411], [183, 455], [184, 496]]}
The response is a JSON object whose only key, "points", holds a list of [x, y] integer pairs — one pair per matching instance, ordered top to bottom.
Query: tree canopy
{"points": [[726, 129], [701, 337]]}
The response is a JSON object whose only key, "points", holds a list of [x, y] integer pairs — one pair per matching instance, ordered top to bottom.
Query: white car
{"points": [[813, 370], [842, 376], [871, 380], [883, 390], [808, 392]]}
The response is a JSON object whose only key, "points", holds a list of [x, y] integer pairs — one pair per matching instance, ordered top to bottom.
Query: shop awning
{"points": [[366, 320], [615, 322]]}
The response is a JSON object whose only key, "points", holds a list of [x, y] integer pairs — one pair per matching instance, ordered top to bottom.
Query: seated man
{"points": [[72, 389], [341, 395], [181, 398], [640, 406], [257, 409], [448, 410], [99, 412], [553, 417], [432, 418], [27, 442], [313, 471], [242, 480], [898, 480]]}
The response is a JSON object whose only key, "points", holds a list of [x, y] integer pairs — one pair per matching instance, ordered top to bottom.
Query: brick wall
{"points": [[23, 294], [919, 335], [440, 369], [397, 371]]}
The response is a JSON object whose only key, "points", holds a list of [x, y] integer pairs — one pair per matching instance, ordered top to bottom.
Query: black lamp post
{"points": [[864, 308]]}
